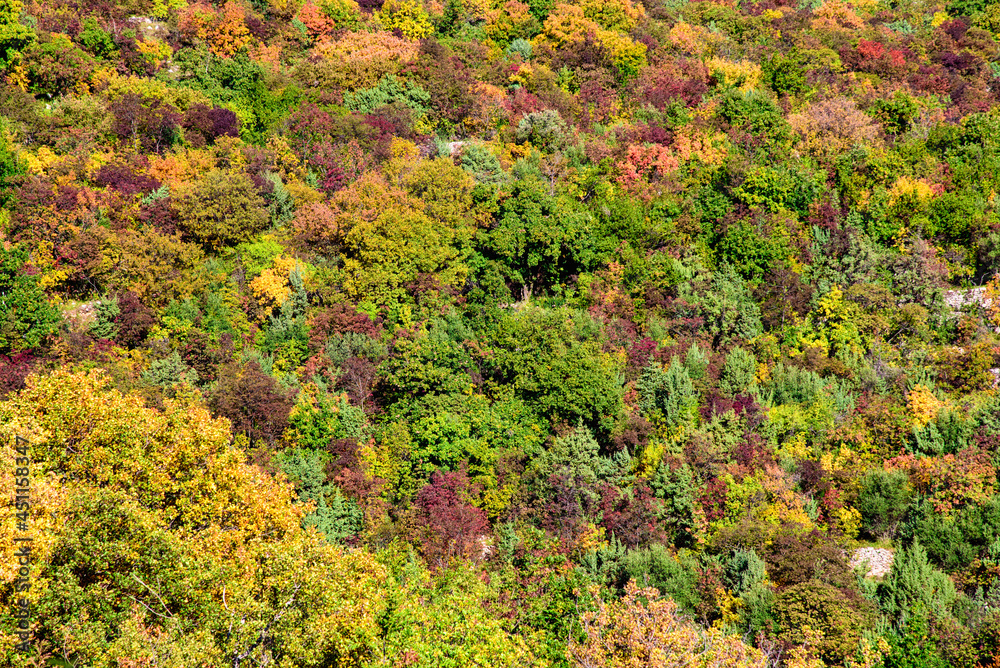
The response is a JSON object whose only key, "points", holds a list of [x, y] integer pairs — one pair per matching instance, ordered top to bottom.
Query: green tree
{"points": [[14, 36], [12, 168], [539, 238], [26, 317], [542, 359], [739, 373], [668, 393], [883, 501], [915, 587]]}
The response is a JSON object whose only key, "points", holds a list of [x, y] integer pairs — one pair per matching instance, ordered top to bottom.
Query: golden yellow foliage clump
{"points": [[836, 15], [694, 40], [743, 74], [830, 127], [691, 143], [908, 189], [272, 287], [991, 300], [923, 405], [129, 504], [644, 629]]}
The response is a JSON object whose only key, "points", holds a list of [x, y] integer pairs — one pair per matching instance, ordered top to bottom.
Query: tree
{"points": [[13, 35], [56, 65], [145, 122], [12, 168], [220, 208], [539, 239], [384, 255], [26, 317], [739, 373], [669, 392], [253, 402], [883, 500], [449, 526], [152, 536], [914, 587], [813, 605], [644, 630]]}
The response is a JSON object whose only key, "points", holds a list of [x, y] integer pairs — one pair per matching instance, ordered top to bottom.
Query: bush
{"points": [[544, 129], [220, 208], [26, 317], [739, 373], [252, 401], [883, 500], [674, 575], [914, 587], [839, 618]]}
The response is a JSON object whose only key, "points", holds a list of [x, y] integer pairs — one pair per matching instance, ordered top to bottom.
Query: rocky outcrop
{"points": [[877, 561]]}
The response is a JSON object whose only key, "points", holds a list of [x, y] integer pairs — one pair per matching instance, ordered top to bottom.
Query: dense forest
{"points": [[585, 334]]}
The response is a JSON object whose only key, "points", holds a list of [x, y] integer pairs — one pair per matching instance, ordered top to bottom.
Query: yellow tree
{"points": [[155, 543], [643, 630]]}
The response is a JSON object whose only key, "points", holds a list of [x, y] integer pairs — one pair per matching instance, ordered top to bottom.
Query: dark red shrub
{"points": [[955, 28], [687, 84], [149, 122], [203, 125], [125, 180], [159, 215], [340, 319], [134, 320], [204, 356], [13, 370], [358, 380], [253, 401], [752, 453], [713, 499], [567, 506], [631, 515], [448, 526]]}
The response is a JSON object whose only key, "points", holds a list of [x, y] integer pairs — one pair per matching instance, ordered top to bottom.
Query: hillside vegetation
{"points": [[591, 334]]}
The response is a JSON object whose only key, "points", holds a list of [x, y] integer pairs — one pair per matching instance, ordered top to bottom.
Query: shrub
{"points": [[148, 123], [203, 125], [220, 208], [26, 317], [252, 401], [883, 500], [448, 525], [676, 575], [914, 587], [839, 618], [645, 629]]}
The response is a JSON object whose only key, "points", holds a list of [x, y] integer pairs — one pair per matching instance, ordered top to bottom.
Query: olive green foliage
{"points": [[543, 129], [11, 167], [221, 208], [539, 239], [739, 373], [561, 375], [883, 500], [674, 575], [914, 587], [817, 605]]}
